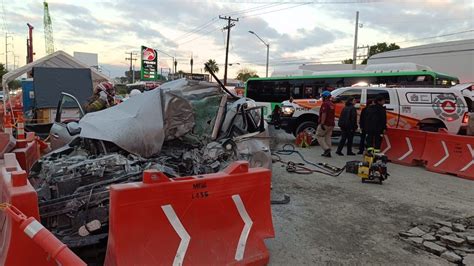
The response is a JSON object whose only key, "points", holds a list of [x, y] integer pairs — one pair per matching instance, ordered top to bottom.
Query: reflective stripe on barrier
{"points": [[404, 146], [452, 154], [215, 219]]}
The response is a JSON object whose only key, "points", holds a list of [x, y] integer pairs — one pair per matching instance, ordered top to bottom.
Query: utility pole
{"points": [[230, 24], [7, 35], [354, 56], [363, 56], [131, 59], [191, 62]]}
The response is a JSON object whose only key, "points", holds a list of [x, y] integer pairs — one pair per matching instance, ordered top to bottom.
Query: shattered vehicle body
{"points": [[184, 128]]}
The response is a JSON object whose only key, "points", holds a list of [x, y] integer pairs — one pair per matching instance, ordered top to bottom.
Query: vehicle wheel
{"points": [[431, 127], [310, 128]]}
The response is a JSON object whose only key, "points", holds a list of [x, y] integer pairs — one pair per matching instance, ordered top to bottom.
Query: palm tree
{"points": [[211, 63]]}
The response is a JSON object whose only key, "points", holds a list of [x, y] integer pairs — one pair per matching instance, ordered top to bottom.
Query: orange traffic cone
{"points": [[7, 124]]}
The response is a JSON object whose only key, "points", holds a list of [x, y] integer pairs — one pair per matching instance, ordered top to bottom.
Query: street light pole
{"points": [[268, 49]]}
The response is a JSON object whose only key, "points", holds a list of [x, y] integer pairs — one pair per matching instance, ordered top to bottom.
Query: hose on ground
{"points": [[300, 168]]}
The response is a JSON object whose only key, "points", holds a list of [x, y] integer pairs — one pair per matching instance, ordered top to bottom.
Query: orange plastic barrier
{"points": [[404, 146], [27, 151], [453, 154], [216, 219], [16, 248], [56, 250]]}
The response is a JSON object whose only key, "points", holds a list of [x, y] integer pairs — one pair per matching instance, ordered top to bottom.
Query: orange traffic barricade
{"points": [[404, 146], [452, 154], [216, 219]]}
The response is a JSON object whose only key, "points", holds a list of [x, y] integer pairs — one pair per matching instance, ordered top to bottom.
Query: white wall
{"points": [[453, 58]]}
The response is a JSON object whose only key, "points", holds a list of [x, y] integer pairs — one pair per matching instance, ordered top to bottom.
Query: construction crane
{"points": [[48, 30]]}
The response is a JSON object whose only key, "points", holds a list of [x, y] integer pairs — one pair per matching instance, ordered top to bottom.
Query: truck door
{"points": [[391, 104], [65, 129]]}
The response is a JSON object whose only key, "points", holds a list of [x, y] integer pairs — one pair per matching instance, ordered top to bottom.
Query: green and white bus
{"points": [[274, 90]]}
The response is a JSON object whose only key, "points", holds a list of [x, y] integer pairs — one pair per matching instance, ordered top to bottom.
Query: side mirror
{"points": [[73, 128]]}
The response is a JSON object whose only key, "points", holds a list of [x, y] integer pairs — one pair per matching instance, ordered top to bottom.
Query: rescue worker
{"points": [[103, 97], [376, 122], [326, 123], [348, 124], [363, 133]]}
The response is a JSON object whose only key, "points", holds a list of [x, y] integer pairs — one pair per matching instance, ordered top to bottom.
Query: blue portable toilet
{"points": [[28, 97]]}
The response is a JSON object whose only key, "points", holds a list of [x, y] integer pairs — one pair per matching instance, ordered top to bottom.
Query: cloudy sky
{"points": [[297, 31]]}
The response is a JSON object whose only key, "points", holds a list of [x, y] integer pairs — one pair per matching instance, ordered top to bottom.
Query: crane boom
{"points": [[48, 30]]}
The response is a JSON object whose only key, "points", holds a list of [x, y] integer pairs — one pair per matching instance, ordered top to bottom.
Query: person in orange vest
{"points": [[103, 97]]}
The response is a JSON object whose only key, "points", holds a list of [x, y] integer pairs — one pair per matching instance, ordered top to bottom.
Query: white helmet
{"points": [[134, 92]]}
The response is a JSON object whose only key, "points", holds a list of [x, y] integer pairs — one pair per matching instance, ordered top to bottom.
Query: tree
{"points": [[380, 48], [347, 61], [211, 63], [244, 74], [12, 85]]}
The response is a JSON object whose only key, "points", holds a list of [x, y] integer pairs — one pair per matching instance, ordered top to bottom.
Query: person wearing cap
{"points": [[102, 98], [376, 122], [326, 123]]}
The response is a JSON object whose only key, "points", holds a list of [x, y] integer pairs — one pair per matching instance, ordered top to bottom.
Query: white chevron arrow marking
{"points": [[389, 146], [410, 149], [446, 154], [472, 161], [181, 231], [239, 253]]}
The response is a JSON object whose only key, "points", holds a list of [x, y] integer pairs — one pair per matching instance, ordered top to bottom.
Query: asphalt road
{"points": [[339, 220]]}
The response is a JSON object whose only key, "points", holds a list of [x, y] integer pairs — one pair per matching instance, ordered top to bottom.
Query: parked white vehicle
{"points": [[424, 108]]}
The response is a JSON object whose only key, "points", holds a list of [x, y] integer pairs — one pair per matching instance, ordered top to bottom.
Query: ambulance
{"points": [[422, 108]]}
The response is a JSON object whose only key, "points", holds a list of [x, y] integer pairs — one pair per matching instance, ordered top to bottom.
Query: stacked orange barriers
{"points": [[438, 151]]}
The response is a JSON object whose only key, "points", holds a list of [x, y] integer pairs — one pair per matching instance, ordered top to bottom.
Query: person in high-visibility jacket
{"points": [[103, 97]]}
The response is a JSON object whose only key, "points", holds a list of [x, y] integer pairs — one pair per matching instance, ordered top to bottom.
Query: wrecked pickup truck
{"points": [[183, 128]]}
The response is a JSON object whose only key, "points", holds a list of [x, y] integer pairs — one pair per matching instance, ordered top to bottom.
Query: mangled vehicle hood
{"points": [[141, 124]]}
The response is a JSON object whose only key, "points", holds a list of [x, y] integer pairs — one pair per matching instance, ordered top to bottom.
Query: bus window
{"points": [[296, 92], [308, 92], [352, 93], [372, 94]]}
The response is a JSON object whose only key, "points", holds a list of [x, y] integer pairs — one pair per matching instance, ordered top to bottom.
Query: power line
{"points": [[253, 9], [276, 10], [196, 29], [204, 34], [438, 36]]}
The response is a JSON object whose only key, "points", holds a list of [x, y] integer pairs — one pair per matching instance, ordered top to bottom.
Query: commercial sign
{"points": [[149, 62]]}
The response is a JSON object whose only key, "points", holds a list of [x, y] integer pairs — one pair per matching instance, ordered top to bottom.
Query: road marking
{"points": [[388, 144], [410, 149], [446, 154], [472, 161], [33, 228], [181, 231], [239, 253]]}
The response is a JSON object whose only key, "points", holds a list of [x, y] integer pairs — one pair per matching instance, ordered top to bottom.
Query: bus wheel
{"points": [[309, 128]]}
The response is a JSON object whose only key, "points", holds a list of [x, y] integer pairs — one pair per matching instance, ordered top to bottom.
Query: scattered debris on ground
{"points": [[451, 240]]}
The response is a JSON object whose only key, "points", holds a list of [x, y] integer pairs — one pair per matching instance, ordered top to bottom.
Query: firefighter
{"points": [[104, 97]]}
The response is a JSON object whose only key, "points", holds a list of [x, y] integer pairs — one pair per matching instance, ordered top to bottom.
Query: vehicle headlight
{"points": [[287, 110]]}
